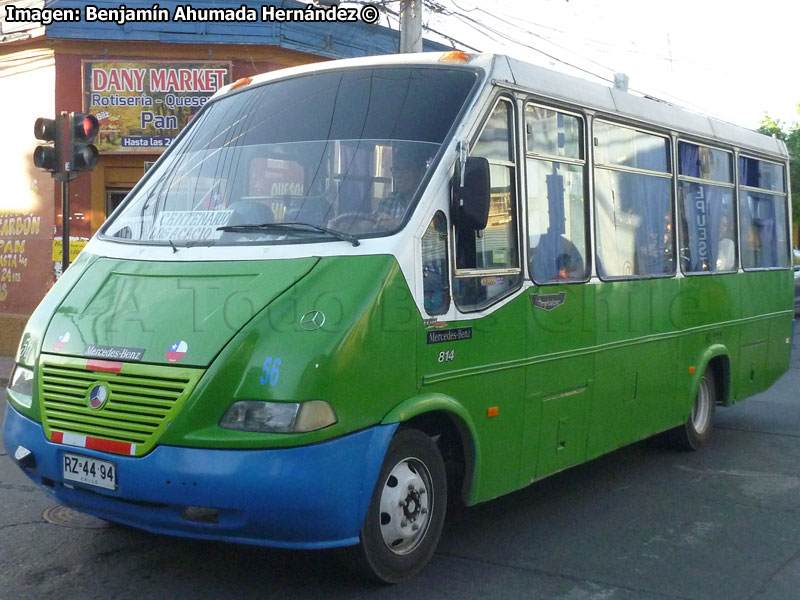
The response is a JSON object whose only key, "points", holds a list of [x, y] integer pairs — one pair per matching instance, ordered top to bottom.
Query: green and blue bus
{"points": [[351, 293]]}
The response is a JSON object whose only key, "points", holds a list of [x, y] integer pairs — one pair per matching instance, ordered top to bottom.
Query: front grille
{"points": [[142, 400]]}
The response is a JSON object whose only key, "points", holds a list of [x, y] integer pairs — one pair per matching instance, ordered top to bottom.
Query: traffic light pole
{"points": [[66, 162], [64, 225]]}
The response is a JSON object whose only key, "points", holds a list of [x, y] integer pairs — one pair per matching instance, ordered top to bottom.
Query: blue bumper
{"points": [[307, 497]]}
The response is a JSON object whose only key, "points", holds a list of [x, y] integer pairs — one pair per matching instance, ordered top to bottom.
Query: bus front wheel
{"points": [[697, 429], [406, 513]]}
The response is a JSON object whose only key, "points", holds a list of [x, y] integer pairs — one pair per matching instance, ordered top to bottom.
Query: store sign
{"points": [[143, 106], [18, 228], [75, 247]]}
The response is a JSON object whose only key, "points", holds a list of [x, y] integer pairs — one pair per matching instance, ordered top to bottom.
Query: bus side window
{"points": [[633, 203], [706, 209], [557, 213], [762, 214], [487, 261], [435, 286]]}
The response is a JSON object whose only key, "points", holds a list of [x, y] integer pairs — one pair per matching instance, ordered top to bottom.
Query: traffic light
{"points": [[82, 130], [49, 157]]}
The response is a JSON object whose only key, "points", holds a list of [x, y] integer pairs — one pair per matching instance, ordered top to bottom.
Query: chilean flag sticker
{"points": [[61, 341], [176, 351]]}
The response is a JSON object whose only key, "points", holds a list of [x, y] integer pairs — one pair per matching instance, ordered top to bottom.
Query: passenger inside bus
{"points": [[726, 251], [556, 258]]}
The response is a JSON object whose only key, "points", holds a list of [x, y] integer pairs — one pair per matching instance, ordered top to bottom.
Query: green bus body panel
{"points": [[151, 305], [31, 343], [361, 360], [610, 364], [478, 377], [559, 380]]}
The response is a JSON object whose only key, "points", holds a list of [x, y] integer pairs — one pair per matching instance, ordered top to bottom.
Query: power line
{"points": [[463, 9], [478, 26], [482, 27], [534, 34], [627, 48], [660, 92]]}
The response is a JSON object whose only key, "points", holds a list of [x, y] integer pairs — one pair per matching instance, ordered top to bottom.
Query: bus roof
{"points": [[568, 89], [617, 102]]}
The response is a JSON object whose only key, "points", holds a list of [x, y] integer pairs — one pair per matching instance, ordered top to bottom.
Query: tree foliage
{"points": [[790, 134]]}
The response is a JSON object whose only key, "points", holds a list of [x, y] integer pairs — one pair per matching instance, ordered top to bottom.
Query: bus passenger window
{"points": [[633, 203], [706, 209], [557, 213], [762, 214], [487, 261], [434, 266]]}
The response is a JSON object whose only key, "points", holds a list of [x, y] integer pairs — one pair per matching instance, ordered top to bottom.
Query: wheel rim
{"points": [[701, 410], [406, 504]]}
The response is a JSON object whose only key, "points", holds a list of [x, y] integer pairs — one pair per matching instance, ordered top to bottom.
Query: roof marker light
{"points": [[456, 56], [240, 83]]}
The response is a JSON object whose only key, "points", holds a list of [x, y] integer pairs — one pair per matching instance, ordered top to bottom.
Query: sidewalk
{"points": [[6, 364]]}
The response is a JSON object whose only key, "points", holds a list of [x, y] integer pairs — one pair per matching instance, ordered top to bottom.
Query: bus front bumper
{"points": [[306, 497]]}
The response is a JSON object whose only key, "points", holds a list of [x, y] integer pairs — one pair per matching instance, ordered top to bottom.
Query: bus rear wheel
{"points": [[697, 429], [406, 513]]}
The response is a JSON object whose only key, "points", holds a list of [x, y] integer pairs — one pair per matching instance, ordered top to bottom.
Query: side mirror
{"points": [[471, 194]]}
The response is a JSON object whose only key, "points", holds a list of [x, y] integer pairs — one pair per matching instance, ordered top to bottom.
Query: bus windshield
{"points": [[297, 159]]}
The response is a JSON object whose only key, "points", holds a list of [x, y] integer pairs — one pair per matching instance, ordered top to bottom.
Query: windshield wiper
{"points": [[292, 226]]}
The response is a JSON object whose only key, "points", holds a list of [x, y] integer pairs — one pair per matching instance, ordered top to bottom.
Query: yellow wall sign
{"points": [[143, 105], [75, 248]]}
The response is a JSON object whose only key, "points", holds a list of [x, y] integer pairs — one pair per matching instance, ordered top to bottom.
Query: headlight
{"points": [[21, 383], [278, 417]]}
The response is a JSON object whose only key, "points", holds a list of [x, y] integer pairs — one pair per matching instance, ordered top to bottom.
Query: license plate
{"points": [[82, 469]]}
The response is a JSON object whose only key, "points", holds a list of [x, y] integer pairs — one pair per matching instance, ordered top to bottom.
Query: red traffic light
{"points": [[84, 127], [82, 130]]}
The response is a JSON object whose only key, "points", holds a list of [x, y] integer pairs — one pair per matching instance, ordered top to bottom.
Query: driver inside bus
{"points": [[408, 169]]}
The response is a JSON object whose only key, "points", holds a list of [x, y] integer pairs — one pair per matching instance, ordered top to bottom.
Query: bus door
{"points": [[560, 331]]}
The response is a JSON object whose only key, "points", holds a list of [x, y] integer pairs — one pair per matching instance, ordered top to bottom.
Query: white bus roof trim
{"points": [[566, 88]]}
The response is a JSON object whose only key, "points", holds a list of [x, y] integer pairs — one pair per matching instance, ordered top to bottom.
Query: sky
{"points": [[731, 60]]}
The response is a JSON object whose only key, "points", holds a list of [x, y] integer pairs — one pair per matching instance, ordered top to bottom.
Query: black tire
{"points": [[697, 430], [390, 550]]}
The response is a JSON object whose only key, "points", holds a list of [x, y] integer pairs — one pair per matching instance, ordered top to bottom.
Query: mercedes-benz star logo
{"points": [[313, 319], [98, 396]]}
